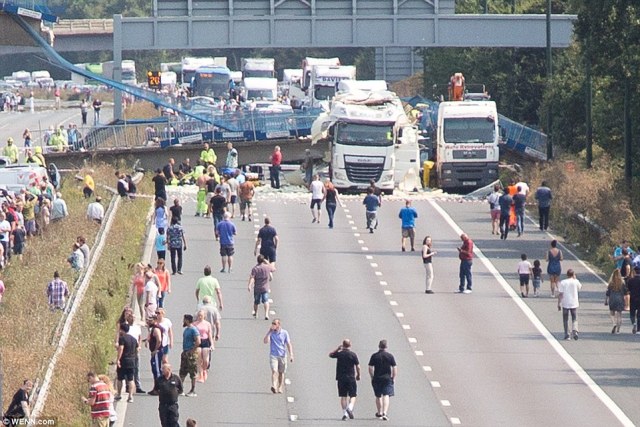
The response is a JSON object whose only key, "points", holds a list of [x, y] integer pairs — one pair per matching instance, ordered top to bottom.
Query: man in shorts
{"points": [[247, 191], [318, 193], [371, 203], [408, 215], [225, 230], [267, 241], [259, 280], [280, 344], [127, 354], [189, 356], [383, 372], [347, 373]]}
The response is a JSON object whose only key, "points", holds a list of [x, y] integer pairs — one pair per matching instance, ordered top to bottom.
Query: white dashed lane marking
{"points": [[383, 283], [387, 293], [406, 327], [435, 384]]}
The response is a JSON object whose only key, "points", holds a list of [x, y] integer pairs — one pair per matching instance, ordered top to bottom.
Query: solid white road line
{"points": [[568, 359]]}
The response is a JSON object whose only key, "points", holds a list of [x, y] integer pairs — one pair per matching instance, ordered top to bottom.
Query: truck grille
{"points": [[360, 172]]}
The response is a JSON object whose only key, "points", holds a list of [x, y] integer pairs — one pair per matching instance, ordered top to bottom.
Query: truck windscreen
{"points": [[258, 73], [210, 84], [324, 92], [260, 94], [469, 130], [361, 134]]}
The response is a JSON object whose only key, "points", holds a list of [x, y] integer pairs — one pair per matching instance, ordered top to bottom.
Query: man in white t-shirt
{"points": [[524, 188], [317, 196], [568, 301]]}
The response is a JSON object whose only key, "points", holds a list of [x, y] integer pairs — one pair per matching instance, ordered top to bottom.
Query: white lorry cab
{"points": [[307, 65], [128, 72], [324, 82], [261, 88], [468, 137], [370, 139]]}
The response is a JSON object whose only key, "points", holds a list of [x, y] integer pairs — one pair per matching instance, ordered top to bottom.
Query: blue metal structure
{"points": [[36, 9], [135, 91]]}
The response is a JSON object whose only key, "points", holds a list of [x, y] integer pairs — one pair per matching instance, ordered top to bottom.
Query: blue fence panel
{"points": [[523, 139]]}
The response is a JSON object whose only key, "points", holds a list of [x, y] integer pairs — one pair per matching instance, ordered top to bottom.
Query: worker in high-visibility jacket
{"points": [[11, 151], [208, 156]]}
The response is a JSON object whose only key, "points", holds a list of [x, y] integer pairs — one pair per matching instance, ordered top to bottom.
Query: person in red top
{"points": [[274, 170], [465, 253], [99, 398]]}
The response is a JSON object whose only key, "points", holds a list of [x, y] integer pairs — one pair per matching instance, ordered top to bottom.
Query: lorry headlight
{"points": [[447, 171], [492, 171], [340, 175], [386, 177]]}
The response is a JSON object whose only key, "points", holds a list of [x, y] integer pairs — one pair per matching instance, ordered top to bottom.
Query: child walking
{"points": [[161, 244], [524, 271], [537, 277]]}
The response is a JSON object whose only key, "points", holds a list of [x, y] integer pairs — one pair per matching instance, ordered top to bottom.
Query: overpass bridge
{"points": [[394, 28]]}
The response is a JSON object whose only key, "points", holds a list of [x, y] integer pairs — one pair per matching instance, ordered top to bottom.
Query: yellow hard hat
{"points": [[10, 140]]}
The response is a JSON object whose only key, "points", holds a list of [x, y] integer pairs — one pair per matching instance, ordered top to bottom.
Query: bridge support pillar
{"points": [[396, 63], [117, 65]]}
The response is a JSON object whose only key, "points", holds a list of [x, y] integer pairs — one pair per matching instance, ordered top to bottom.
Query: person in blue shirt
{"points": [[371, 202], [408, 215], [225, 230], [161, 244], [189, 356]]}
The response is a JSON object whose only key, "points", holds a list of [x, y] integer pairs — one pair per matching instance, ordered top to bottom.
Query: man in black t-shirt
{"points": [[160, 183], [217, 207], [176, 210], [267, 240], [127, 355], [383, 372], [347, 373], [168, 388], [19, 406]]}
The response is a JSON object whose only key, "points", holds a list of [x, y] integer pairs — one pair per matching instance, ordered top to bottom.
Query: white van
{"points": [[15, 178]]}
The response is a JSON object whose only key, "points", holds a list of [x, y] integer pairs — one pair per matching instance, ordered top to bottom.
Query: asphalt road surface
{"points": [[13, 124], [488, 358]]}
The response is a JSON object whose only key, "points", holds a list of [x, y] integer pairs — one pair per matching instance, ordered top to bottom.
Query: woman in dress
{"points": [[331, 200], [427, 256], [554, 268], [615, 299], [205, 330]]}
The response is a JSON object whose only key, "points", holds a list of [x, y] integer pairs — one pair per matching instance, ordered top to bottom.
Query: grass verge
{"points": [[25, 341], [90, 344]]}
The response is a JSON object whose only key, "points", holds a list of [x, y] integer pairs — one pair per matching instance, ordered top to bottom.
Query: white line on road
{"points": [[354, 228], [356, 234], [360, 242], [364, 248], [369, 256], [374, 264], [378, 273], [383, 283], [387, 293], [393, 303], [399, 314], [406, 327], [413, 340], [562, 352], [419, 353], [426, 368], [435, 384], [290, 399], [445, 403], [455, 421]]}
